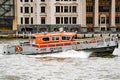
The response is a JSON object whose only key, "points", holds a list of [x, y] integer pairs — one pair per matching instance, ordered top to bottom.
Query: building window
{"points": [[21, 0], [26, 0], [31, 0], [42, 0], [65, 0], [89, 0], [105, 0], [57, 8], [61, 8], [65, 8], [69, 8], [117, 8], [21, 9], [26, 9], [31, 9], [43, 9], [74, 9], [89, 9], [104, 9], [21, 20], [26, 20], [31, 20], [42, 20], [57, 20], [61, 20], [65, 20], [70, 20], [89, 20], [103, 20], [107, 20], [117, 20], [74, 21]]}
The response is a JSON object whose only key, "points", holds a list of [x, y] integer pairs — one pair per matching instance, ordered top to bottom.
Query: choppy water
{"points": [[70, 65]]}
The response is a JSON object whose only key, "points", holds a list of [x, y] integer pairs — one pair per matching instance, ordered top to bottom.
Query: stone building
{"points": [[50, 15]]}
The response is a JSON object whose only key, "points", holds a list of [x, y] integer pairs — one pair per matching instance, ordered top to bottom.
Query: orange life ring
{"points": [[18, 48]]}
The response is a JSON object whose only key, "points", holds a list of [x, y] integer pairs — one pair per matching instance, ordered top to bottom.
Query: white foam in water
{"points": [[1, 48], [117, 51], [69, 54]]}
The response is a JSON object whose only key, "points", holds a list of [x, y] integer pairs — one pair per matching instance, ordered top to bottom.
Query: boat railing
{"points": [[107, 40], [53, 44]]}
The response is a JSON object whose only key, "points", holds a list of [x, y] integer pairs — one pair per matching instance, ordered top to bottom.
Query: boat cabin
{"points": [[54, 37]]}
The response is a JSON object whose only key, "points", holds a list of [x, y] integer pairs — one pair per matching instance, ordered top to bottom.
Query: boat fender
{"points": [[78, 42], [18, 48]]}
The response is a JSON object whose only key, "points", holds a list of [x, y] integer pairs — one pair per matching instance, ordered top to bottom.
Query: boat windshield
{"points": [[65, 37], [54, 38], [46, 39]]}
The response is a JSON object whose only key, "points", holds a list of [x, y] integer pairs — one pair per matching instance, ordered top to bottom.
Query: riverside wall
{"points": [[86, 35]]}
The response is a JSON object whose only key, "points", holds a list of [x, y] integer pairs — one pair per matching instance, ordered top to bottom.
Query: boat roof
{"points": [[55, 34]]}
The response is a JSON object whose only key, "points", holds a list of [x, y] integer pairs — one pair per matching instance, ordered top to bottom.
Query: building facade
{"points": [[7, 14], [42, 15], [80, 15], [102, 15]]}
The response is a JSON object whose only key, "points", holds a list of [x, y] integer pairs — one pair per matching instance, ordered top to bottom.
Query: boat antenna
{"points": [[29, 39]]}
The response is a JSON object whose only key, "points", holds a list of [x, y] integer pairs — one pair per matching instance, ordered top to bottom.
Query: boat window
{"points": [[65, 37], [73, 37], [55, 38], [45, 39]]}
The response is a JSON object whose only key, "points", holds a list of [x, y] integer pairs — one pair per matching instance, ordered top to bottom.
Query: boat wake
{"points": [[1, 48], [67, 54]]}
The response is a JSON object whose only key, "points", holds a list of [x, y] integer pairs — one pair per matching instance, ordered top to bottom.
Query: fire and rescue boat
{"points": [[54, 42]]}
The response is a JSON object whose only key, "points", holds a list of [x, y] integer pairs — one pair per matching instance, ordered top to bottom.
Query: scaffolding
{"points": [[6, 13]]}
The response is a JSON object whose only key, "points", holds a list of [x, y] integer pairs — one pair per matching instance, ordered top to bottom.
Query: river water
{"points": [[70, 65]]}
